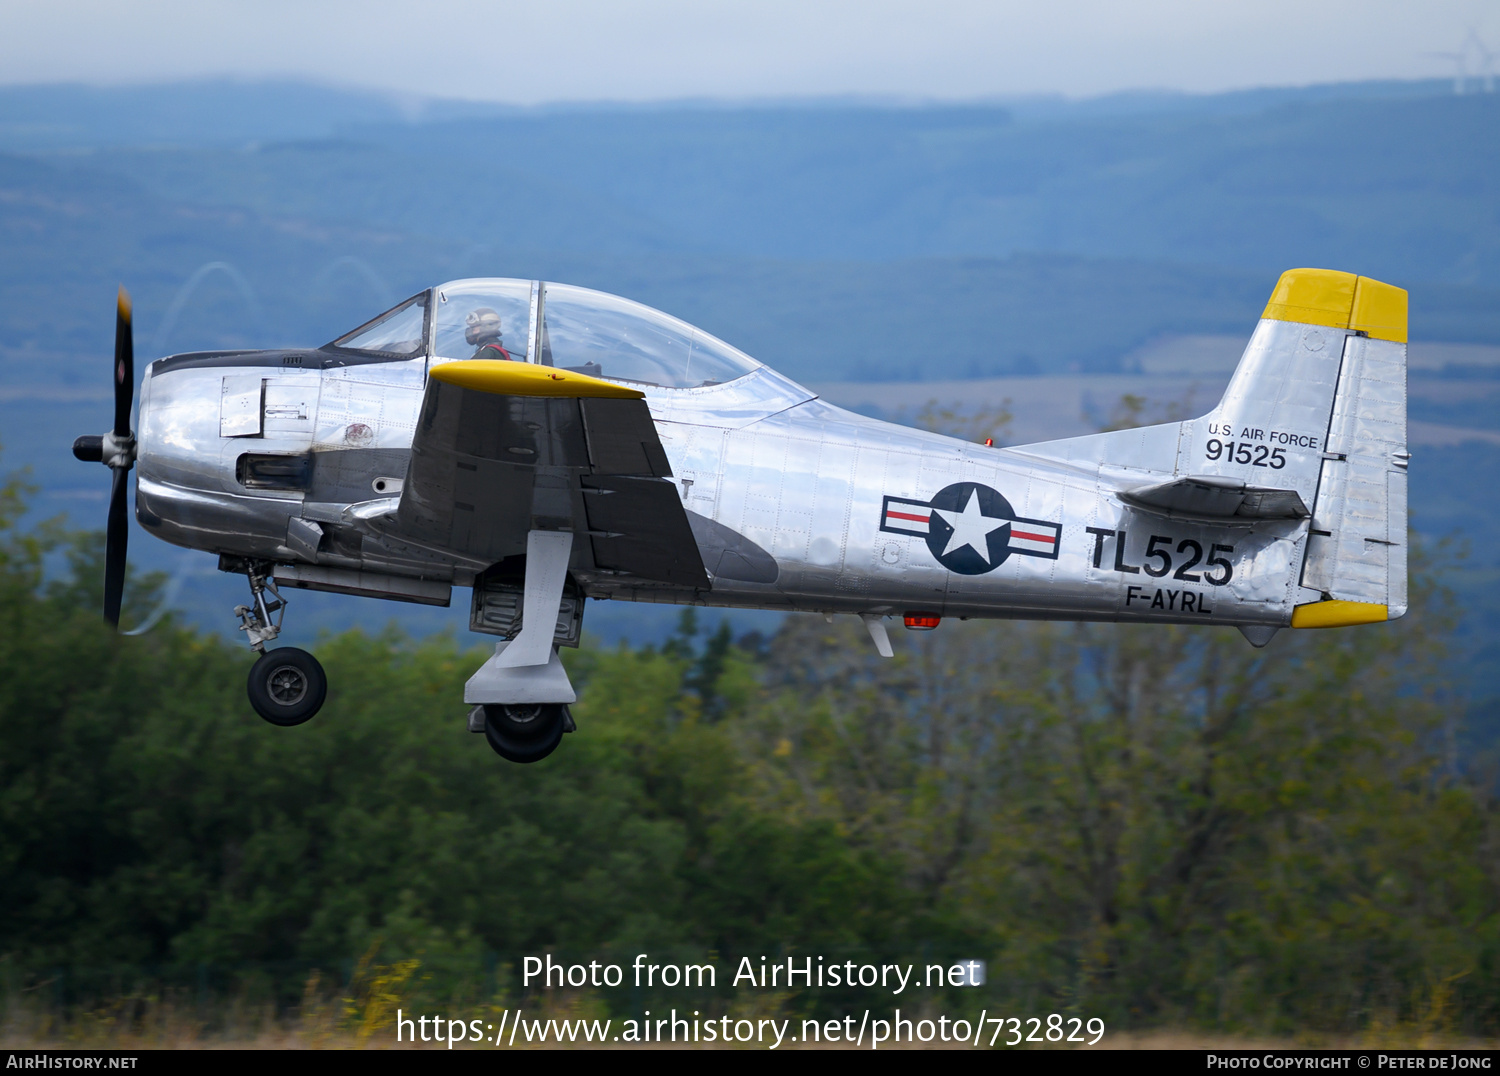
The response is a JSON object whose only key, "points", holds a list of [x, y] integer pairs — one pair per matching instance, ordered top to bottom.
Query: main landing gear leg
{"points": [[286, 686], [520, 696]]}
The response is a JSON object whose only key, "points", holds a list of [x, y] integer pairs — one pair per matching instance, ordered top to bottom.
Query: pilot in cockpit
{"points": [[482, 329]]}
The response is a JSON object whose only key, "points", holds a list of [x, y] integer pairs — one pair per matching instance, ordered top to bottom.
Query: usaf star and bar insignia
{"points": [[971, 529]]}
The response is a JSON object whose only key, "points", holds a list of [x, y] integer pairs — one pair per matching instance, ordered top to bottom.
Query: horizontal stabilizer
{"points": [[1216, 497]]}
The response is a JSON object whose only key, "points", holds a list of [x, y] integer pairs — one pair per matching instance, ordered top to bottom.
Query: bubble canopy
{"points": [[578, 329]]}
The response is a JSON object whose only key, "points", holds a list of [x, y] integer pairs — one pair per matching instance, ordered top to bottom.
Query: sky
{"points": [[644, 50]]}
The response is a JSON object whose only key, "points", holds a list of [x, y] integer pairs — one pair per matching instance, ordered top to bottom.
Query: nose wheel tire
{"points": [[287, 686], [527, 732]]}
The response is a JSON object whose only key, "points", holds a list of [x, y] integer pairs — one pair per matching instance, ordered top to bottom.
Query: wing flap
{"points": [[638, 525]]}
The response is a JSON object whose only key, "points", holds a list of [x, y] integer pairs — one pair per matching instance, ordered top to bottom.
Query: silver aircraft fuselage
{"points": [[795, 504]]}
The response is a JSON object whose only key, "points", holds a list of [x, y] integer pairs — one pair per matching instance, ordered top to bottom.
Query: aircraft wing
{"points": [[504, 448], [1213, 497]]}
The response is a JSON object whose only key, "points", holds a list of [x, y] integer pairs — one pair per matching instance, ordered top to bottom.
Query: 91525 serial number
{"points": [[1240, 452]]}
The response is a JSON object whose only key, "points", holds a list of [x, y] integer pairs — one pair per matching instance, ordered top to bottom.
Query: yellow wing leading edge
{"points": [[503, 378]]}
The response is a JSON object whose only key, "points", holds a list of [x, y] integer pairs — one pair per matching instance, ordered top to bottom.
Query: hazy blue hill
{"points": [[1256, 99], [237, 111], [204, 112], [1407, 188], [481, 204], [74, 232], [72, 235], [842, 240]]}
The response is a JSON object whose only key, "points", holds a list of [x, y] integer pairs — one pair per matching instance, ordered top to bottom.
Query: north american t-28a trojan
{"points": [[543, 444]]}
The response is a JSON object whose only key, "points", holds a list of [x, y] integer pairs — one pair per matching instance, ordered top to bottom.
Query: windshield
{"points": [[482, 319], [399, 332], [603, 335]]}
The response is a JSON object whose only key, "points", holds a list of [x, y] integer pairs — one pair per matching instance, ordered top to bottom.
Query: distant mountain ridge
{"points": [[231, 112], [845, 239]]}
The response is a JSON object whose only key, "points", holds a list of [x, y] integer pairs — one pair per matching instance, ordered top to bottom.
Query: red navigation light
{"points": [[922, 621]]}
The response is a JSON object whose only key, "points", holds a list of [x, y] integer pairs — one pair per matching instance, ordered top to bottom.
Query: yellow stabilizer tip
{"points": [[1313, 297], [1339, 300], [122, 303], [1380, 310], [528, 379], [1337, 614]]}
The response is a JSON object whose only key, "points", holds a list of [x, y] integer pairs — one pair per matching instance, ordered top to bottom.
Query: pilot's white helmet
{"points": [[482, 326]]}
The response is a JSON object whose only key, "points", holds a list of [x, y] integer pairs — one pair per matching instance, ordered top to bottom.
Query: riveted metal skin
{"points": [[754, 493]]}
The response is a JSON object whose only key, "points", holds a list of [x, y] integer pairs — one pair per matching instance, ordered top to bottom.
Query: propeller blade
{"points": [[124, 365], [115, 539]]}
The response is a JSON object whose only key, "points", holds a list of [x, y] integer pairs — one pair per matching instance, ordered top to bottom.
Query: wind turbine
{"points": [[1471, 44], [1486, 59]]}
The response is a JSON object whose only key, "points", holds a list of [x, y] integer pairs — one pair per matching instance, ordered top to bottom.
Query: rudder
{"points": [[1357, 544]]}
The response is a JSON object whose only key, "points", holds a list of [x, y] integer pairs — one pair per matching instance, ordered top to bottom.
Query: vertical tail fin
{"points": [[1318, 405], [1313, 424]]}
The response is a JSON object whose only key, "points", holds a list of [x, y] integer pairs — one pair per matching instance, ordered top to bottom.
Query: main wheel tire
{"points": [[287, 686], [525, 732]]}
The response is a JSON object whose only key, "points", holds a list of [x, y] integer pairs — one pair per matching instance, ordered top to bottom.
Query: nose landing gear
{"points": [[286, 686]]}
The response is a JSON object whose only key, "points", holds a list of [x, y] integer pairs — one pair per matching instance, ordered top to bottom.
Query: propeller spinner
{"points": [[116, 450]]}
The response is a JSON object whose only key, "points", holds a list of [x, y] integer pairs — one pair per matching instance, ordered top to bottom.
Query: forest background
{"points": [[1160, 828]]}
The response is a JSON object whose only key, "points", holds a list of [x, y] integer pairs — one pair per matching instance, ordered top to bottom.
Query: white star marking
{"points": [[971, 527]]}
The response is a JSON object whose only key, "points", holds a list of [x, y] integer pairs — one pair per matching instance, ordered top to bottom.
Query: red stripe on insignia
{"points": [[908, 515], [1028, 536]]}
